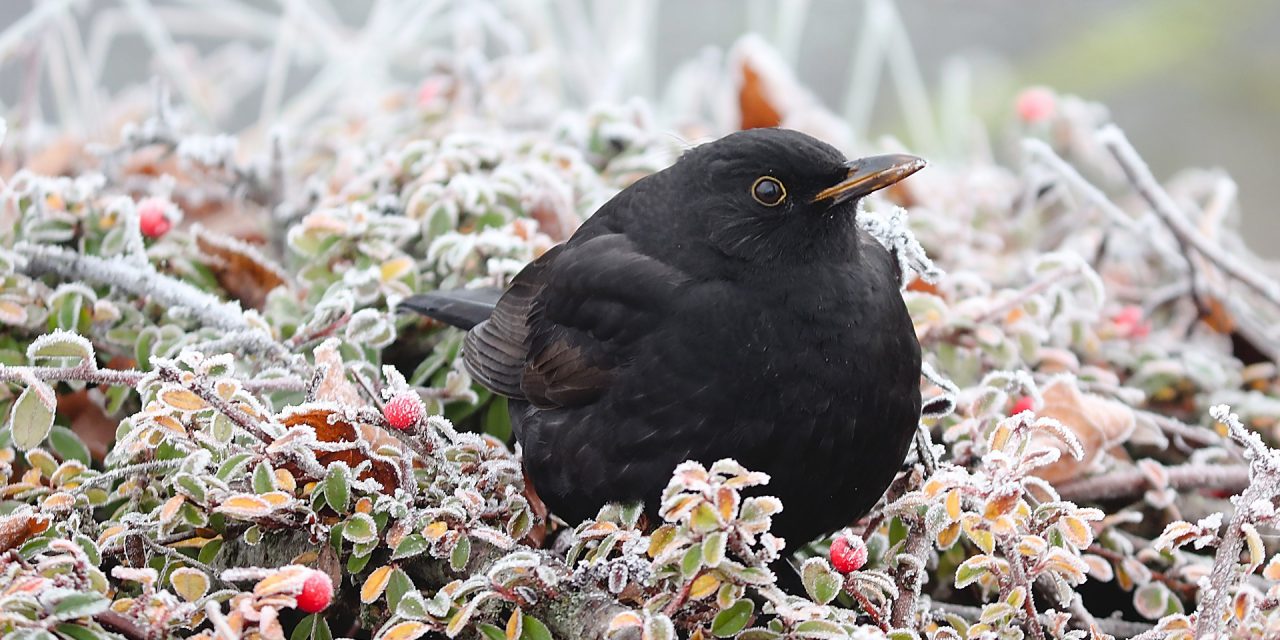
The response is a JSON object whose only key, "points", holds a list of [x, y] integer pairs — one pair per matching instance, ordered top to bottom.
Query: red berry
{"points": [[1035, 104], [152, 220], [1129, 322], [1025, 403], [403, 410], [848, 553], [317, 592]]}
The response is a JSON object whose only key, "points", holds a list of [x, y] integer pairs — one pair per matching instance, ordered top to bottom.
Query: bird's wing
{"points": [[569, 320]]}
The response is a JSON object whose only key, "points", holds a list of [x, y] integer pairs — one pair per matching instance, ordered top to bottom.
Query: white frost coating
{"points": [[895, 234]]}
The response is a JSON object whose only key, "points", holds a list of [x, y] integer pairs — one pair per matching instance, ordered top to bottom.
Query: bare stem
{"points": [[1173, 217], [1132, 483]]}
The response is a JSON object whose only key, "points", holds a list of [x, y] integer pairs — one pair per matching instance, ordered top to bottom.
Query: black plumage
{"points": [[728, 306]]}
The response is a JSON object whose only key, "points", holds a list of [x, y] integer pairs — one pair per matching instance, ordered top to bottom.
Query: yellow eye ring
{"points": [[768, 191]]}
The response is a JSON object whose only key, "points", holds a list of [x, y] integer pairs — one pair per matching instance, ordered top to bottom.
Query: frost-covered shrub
{"points": [[199, 346]]}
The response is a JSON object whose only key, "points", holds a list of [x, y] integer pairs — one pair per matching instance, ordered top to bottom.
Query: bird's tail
{"points": [[462, 308]]}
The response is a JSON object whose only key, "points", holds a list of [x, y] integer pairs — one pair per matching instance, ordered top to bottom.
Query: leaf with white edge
{"points": [[370, 327], [61, 346], [31, 418], [67, 445], [337, 487], [360, 529], [413, 544], [713, 548], [461, 554], [970, 570], [821, 582], [191, 584], [375, 584], [1153, 601], [80, 605], [460, 619], [733, 619], [658, 627], [533, 629], [407, 630], [819, 630], [491, 631]]}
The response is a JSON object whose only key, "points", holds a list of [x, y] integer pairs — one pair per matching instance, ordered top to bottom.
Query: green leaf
{"points": [[63, 347], [32, 415], [497, 421], [222, 428], [67, 445], [232, 465], [263, 480], [337, 487], [704, 518], [360, 529], [412, 545], [713, 547], [210, 550], [461, 554], [692, 561], [357, 562], [969, 571], [821, 582], [397, 586], [80, 605], [733, 619], [304, 628], [534, 629], [820, 629], [321, 631], [77, 632], [492, 632]]}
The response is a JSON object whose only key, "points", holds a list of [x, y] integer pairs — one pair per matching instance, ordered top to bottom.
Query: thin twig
{"points": [[1168, 211], [126, 377], [1133, 483]]}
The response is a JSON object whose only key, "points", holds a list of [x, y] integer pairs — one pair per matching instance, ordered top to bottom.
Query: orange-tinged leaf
{"points": [[753, 102], [395, 268], [1218, 317], [226, 388], [182, 400], [169, 423], [1000, 437], [285, 480], [276, 499], [59, 501], [1001, 504], [364, 505], [953, 505], [245, 506], [170, 508], [15, 529], [435, 530], [1076, 532], [109, 533], [948, 535], [1272, 571], [285, 581], [189, 583], [375, 584], [705, 585], [624, 620], [515, 624], [410, 630]]}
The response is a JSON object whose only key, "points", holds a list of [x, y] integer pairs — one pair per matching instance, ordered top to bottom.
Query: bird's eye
{"points": [[768, 191]]}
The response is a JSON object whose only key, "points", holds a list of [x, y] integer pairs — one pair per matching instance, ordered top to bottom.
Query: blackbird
{"points": [[728, 306]]}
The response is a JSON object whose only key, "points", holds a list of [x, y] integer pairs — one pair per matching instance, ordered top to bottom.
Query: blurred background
{"points": [[1193, 83]]}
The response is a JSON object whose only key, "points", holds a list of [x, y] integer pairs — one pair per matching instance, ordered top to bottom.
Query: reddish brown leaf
{"points": [[753, 101]]}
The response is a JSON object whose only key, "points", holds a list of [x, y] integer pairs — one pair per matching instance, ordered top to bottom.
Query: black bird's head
{"points": [[779, 196]]}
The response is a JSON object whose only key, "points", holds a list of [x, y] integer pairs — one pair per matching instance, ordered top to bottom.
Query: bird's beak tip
{"points": [[870, 174]]}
